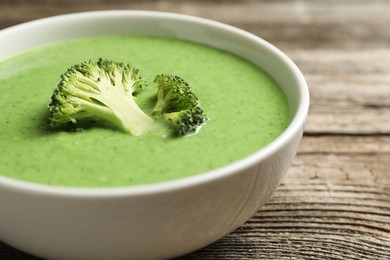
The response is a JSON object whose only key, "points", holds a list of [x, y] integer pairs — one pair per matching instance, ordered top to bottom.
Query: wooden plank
{"points": [[349, 90], [345, 145], [333, 159]]}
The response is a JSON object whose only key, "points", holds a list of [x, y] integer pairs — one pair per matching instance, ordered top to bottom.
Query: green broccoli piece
{"points": [[100, 90], [178, 105], [186, 121]]}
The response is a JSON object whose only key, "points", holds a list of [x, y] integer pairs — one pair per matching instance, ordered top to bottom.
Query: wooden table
{"points": [[334, 203]]}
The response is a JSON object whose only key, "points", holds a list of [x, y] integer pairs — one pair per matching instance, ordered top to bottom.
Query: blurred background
{"points": [[334, 203]]}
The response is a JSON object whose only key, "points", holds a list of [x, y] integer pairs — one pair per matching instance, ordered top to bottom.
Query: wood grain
{"points": [[350, 90], [334, 202]]}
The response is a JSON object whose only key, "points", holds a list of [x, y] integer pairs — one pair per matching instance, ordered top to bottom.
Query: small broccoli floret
{"points": [[99, 90], [178, 105], [186, 121]]}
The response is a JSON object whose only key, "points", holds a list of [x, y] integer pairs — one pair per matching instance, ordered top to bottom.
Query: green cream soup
{"points": [[246, 111]]}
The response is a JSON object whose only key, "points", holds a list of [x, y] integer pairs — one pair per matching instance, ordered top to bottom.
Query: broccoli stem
{"points": [[119, 109]]}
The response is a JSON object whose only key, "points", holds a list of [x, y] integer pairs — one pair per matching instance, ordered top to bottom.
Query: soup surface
{"points": [[247, 110]]}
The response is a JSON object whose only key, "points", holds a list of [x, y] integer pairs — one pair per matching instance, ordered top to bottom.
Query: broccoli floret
{"points": [[100, 90], [178, 105], [186, 121]]}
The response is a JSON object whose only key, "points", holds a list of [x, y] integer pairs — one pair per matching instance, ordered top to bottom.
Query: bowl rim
{"points": [[295, 126]]}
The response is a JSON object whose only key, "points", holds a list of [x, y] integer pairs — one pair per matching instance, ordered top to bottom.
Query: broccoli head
{"points": [[100, 90], [178, 105], [186, 121]]}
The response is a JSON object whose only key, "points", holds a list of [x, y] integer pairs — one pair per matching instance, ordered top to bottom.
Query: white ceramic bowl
{"points": [[161, 220]]}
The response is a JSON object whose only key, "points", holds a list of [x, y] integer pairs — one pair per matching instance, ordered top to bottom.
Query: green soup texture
{"points": [[247, 110]]}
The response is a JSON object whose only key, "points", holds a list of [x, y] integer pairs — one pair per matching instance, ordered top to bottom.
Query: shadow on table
{"points": [[7, 252]]}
